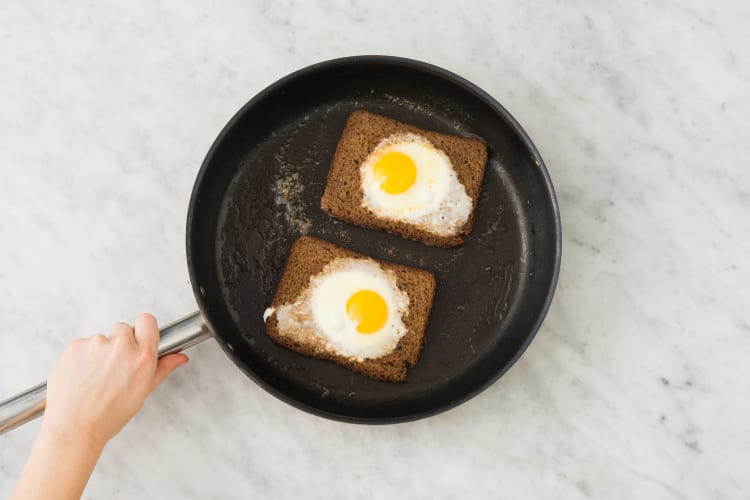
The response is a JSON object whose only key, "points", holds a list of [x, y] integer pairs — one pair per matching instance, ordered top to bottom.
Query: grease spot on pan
{"points": [[288, 190]]}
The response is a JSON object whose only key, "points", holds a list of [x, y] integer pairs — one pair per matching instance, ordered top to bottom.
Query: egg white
{"points": [[437, 201], [320, 311]]}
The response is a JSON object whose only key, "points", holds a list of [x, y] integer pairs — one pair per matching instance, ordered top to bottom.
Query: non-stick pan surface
{"points": [[259, 189]]}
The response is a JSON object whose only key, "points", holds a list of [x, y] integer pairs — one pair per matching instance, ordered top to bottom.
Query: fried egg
{"points": [[406, 178], [353, 307]]}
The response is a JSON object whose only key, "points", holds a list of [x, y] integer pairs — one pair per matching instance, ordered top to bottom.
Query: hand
{"points": [[101, 382]]}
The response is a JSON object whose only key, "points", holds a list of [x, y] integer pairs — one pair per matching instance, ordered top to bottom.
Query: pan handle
{"points": [[29, 404]]}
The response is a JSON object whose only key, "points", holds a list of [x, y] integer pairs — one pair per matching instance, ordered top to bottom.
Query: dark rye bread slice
{"points": [[363, 131], [308, 257]]}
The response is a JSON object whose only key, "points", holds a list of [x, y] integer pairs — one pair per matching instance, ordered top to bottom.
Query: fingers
{"points": [[121, 332], [147, 333], [98, 338], [166, 365]]}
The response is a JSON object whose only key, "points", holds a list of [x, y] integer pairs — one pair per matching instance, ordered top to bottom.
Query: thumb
{"points": [[166, 365]]}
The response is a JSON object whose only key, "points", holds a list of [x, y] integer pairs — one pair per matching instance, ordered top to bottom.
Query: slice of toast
{"points": [[363, 132], [308, 257]]}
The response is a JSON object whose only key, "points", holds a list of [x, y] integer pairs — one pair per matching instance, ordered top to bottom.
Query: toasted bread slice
{"points": [[363, 132], [308, 257]]}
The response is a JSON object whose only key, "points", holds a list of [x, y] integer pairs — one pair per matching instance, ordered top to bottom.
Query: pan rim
{"points": [[433, 71]]}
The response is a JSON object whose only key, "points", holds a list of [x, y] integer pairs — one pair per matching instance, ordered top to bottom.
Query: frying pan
{"points": [[259, 189]]}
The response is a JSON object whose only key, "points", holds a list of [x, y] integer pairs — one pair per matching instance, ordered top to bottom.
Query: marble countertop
{"points": [[635, 387]]}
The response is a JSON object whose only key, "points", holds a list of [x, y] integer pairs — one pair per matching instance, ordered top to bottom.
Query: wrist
{"points": [[71, 440], [60, 463]]}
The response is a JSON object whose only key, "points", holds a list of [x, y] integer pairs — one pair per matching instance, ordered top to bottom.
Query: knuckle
{"points": [[120, 327], [99, 339], [121, 340], [145, 358]]}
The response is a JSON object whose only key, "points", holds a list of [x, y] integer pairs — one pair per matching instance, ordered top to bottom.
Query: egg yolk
{"points": [[397, 171], [368, 309]]}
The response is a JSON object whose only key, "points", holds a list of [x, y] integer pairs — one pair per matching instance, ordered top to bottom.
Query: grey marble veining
{"points": [[637, 384]]}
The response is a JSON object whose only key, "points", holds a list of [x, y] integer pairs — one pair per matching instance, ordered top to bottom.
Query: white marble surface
{"points": [[637, 384]]}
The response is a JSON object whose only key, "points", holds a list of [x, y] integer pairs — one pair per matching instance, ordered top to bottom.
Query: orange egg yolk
{"points": [[397, 172], [368, 309]]}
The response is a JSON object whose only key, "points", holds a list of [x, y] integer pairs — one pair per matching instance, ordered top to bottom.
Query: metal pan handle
{"points": [[29, 404]]}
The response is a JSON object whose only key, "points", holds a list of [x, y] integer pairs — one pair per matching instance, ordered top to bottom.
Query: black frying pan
{"points": [[259, 189]]}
